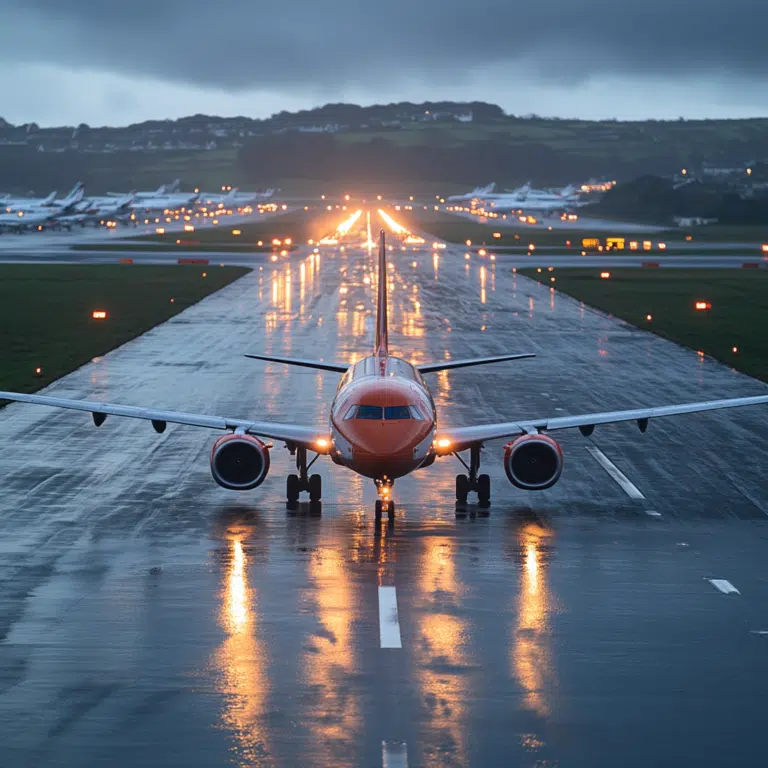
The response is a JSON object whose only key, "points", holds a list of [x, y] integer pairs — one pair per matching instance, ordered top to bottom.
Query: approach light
{"points": [[236, 233], [605, 275], [702, 306], [99, 314], [649, 318], [38, 370]]}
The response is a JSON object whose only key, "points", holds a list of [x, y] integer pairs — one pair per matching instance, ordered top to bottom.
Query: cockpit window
{"points": [[368, 412], [393, 412], [351, 413], [416, 413]]}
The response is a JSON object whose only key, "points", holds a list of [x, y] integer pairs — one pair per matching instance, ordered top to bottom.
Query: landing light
{"points": [[322, 443], [443, 443]]}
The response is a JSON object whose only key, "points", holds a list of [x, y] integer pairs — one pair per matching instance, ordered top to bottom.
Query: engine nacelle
{"points": [[239, 462], [533, 462]]}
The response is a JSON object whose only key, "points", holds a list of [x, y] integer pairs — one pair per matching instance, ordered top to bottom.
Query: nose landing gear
{"points": [[384, 502]]}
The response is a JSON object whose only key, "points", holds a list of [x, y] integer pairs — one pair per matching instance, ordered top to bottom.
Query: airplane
{"points": [[162, 191], [477, 192], [235, 198], [525, 198], [168, 202], [15, 203], [49, 203], [94, 212], [21, 221], [383, 425]]}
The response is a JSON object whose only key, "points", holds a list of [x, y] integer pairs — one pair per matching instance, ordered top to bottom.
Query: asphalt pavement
{"points": [[149, 617]]}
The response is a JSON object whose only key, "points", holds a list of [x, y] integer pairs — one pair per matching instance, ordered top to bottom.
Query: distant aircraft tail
{"points": [[174, 187], [76, 195], [232, 196], [48, 200], [381, 349]]}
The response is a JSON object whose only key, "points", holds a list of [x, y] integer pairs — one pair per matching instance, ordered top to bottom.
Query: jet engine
{"points": [[239, 462], [533, 462]]}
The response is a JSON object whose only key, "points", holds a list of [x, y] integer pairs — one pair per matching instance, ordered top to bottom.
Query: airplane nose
{"points": [[383, 439]]}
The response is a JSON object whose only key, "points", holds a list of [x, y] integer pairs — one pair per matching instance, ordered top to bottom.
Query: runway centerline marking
{"points": [[629, 488], [724, 586], [389, 623], [394, 754]]}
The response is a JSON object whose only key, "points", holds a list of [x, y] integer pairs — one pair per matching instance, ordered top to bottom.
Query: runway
{"points": [[150, 618]]}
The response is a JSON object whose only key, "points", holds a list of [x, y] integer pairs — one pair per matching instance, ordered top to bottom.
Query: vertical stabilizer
{"points": [[382, 347]]}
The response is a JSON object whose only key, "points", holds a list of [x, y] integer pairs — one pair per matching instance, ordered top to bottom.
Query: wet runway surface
{"points": [[149, 617]]}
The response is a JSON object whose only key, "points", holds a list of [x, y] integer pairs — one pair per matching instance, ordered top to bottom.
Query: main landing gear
{"points": [[295, 484], [481, 484]]}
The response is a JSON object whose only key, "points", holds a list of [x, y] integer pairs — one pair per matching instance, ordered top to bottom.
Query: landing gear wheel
{"points": [[315, 487], [462, 488], [292, 489], [484, 490], [315, 508], [378, 510], [391, 511]]}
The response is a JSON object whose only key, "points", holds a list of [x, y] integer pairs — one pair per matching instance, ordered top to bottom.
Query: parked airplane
{"points": [[161, 191], [477, 192], [234, 198], [525, 198], [167, 202], [50, 203], [11, 204], [94, 212], [21, 221], [383, 425]]}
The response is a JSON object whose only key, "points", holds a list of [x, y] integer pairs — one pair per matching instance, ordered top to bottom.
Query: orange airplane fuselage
{"points": [[383, 419]]}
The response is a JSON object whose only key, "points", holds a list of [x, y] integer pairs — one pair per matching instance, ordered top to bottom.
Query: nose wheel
{"points": [[472, 482], [382, 506]]}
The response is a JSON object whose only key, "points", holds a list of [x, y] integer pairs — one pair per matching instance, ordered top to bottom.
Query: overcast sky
{"points": [[71, 61]]}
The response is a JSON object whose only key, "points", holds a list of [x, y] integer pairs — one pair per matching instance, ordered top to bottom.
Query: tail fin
{"points": [[76, 195], [48, 200], [382, 342]]}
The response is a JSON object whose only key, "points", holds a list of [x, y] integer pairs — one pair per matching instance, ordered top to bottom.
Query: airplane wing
{"points": [[317, 364], [447, 365], [292, 434], [461, 438]]}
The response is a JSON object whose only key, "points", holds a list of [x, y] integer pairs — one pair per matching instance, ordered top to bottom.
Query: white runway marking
{"points": [[630, 489], [652, 513], [724, 586], [389, 623], [394, 754]]}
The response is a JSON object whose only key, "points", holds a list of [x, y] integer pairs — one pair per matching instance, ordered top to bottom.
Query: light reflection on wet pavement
{"points": [[151, 618]]}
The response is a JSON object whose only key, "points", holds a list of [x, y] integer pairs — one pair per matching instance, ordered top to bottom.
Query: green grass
{"points": [[45, 312], [738, 317]]}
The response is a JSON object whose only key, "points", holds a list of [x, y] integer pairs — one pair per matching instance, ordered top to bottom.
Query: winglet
{"points": [[382, 342]]}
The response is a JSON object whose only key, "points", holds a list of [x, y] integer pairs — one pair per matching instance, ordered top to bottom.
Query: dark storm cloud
{"points": [[316, 44]]}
